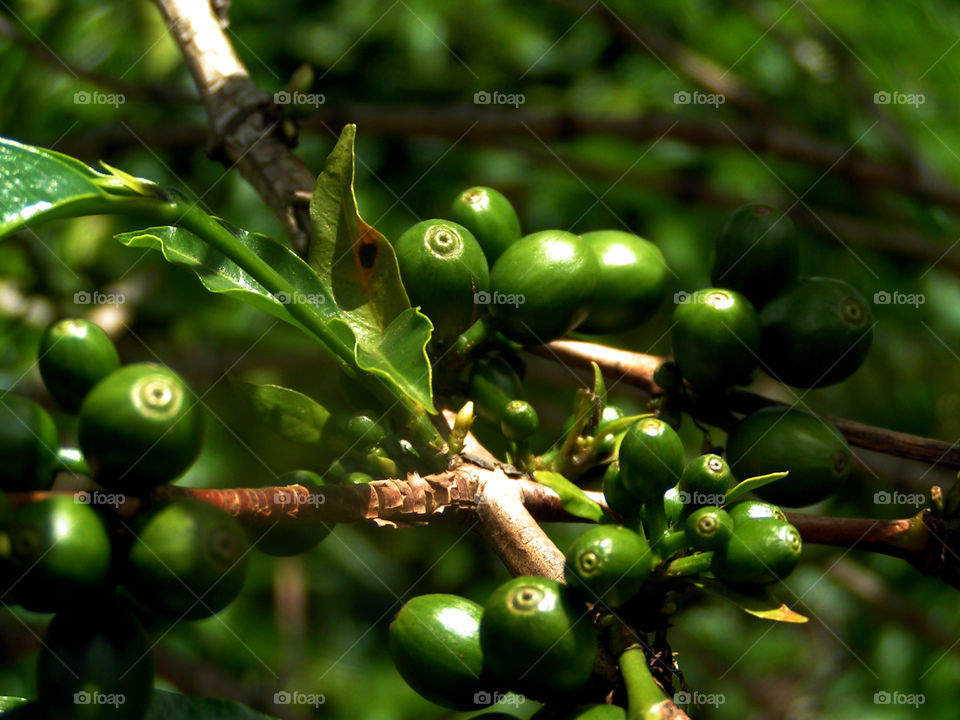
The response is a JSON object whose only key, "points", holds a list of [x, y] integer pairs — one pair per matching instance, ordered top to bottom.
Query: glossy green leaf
{"points": [[37, 185], [360, 267], [221, 275], [396, 356], [296, 417], [751, 484], [573, 499], [758, 602], [8, 702]]}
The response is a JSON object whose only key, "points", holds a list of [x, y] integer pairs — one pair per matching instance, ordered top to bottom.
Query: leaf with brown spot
{"points": [[359, 265]]}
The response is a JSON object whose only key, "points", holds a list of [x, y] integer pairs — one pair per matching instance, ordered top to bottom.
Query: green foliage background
{"points": [[814, 66]]}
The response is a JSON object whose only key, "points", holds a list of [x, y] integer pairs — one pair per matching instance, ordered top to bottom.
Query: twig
{"points": [[491, 125], [247, 129], [637, 369], [507, 509]]}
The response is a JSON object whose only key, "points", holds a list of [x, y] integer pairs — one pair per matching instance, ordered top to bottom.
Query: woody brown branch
{"points": [[247, 131], [637, 369], [467, 492]]}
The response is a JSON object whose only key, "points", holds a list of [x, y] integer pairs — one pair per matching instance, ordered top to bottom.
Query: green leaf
{"points": [[38, 185], [360, 267], [221, 275], [398, 355], [296, 417], [751, 484], [573, 499], [758, 602], [8, 702], [174, 706]]}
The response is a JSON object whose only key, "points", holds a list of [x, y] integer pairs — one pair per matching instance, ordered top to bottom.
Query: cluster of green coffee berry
{"points": [[535, 287], [806, 333], [138, 426], [538, 637]]}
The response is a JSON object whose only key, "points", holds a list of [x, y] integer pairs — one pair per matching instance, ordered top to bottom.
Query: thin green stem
{"points": [[689, 565], [644, 696]]}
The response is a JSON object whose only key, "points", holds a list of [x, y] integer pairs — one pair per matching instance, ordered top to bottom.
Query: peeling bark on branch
{"points": [[246, 126]]}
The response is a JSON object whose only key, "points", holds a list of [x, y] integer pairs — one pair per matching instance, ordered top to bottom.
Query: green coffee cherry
{"points": [[490, 217], [756, 254], [443, 269], [631, 282], [542, 285], [816, 333], [715, 338], [74, 356], [493, 384], [519, 420], [139, 427], [365, 431], [778, 439], [28, 444], [651, 458], [358, 478], [704, 481], [616, 495], [673, 506], [748, 510], [709, 528], [287, 537], [59, 552], [759, 552], [188, 559], [608, 564], [537, 637], [435, 645], [95, 664]]}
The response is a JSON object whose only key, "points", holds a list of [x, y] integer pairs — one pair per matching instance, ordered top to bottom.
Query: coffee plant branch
{"points": [[247, 130], [762, 138], [637, 369], [507, 509]]}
